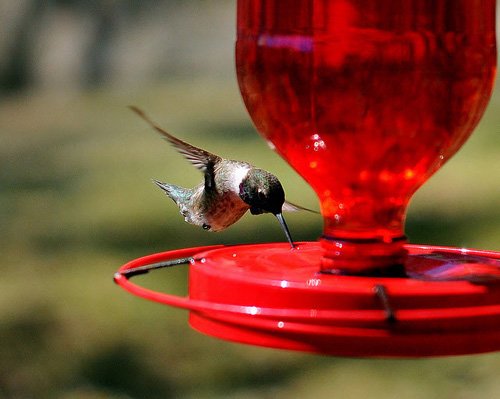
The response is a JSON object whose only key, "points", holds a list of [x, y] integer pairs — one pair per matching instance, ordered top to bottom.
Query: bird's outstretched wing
{"points": [[201, 159], [289, 207]]}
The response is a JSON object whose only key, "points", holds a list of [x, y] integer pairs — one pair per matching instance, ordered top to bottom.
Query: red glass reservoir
{"points": [[365, 99]]}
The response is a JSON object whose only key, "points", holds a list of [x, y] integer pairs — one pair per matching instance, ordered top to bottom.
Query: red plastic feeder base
{"points": [[270, 295]]}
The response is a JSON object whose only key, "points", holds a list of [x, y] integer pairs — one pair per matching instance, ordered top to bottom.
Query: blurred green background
{"points": [[76, 202]]}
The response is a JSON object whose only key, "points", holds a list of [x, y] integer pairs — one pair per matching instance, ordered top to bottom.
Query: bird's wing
{"points": [[201, 159], [289, 207]]}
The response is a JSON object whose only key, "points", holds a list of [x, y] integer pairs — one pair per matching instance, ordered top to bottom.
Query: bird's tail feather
{"points": [[177, 193]]}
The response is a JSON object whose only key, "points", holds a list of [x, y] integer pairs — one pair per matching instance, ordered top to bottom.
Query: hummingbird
{"points": [[229, 189]]}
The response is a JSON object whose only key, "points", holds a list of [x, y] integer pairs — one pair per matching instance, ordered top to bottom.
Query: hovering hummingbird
{"points": [[229, 189]]}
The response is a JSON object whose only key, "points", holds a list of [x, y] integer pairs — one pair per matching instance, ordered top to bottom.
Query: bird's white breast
{"points": [[237, 175]]}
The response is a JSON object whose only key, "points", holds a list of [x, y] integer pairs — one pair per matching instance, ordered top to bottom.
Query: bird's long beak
{"points": [[281, 219]]}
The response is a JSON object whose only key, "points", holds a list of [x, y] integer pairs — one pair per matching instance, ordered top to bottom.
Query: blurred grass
{"points": [[76, 201]]}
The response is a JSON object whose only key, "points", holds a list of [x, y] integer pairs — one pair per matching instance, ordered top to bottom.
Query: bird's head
{"points": [[263, 192]]}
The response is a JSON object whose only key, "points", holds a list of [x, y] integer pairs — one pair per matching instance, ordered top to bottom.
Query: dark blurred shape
{"points": [[69, 45], [25, 338], [120, 368]]}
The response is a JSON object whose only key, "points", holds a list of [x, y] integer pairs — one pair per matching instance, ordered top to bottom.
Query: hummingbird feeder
{"points": [[365, 100]]}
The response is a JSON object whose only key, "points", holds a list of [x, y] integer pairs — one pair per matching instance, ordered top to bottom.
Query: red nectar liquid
{"points": [[366, 99]]}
